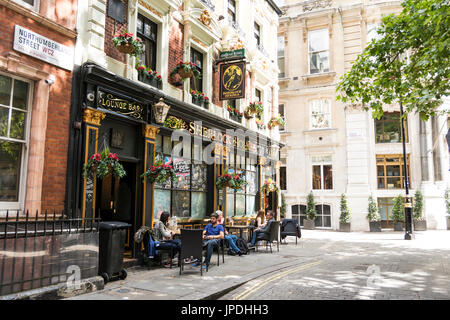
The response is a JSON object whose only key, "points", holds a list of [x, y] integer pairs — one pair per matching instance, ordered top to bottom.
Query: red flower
{"points": [[159, 77], [206, 98]]}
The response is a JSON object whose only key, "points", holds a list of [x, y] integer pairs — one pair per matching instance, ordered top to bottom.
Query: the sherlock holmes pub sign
{"points": [[232, 81]]}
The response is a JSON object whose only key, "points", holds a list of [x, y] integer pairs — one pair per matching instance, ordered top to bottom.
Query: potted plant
{"points": [[125, 43], [142, 70], [186, 70], [155, 78], [199, 99], [256, 108], [235, 114], [248, 114], [276, 121], [174, 123], [260, 124], [103, 164], [159, 173], [233, 181], [269, 186], [283, 206], [311, 212], [397, 214], [373, 216], [344, 218], [420, 224]]}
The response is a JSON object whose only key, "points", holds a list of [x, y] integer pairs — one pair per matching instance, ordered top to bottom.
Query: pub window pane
{"points": [[5, 90], [20, 96], [4, 117], [17, 126], [158, 143], [167, 145], [10, 164], [199, 177], [251, 179], [161, 202], [181, 203], [230, 204], [251, 204], [240, 205], [198, 208]]}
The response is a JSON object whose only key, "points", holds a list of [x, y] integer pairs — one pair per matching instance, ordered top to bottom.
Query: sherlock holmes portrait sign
{"points": [[232, 81]]}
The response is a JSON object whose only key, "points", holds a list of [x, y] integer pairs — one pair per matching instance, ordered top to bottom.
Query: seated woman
{"points": [[259, 221], [165, 237]]}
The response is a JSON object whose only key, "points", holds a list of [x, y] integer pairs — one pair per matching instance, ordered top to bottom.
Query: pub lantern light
{"points": [[160, 110]]}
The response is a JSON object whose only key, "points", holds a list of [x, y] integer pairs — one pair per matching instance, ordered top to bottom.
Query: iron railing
{"points": [[37, 250]]}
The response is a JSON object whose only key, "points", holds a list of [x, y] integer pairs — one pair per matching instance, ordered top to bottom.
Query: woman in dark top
{"points": [[165, 237]]}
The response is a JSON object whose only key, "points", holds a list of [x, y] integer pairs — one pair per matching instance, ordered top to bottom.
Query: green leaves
{"points": [[409, 63]]}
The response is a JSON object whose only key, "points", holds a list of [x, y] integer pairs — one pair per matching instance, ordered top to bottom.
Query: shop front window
{"points": [[14, 96], [390, 173], [186, 196], [242, 202]]}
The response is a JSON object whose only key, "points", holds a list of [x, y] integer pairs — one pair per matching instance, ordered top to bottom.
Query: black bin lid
{"points": [[113, 225]]}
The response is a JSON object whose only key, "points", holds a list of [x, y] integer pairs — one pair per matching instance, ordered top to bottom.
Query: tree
{"points": [[408, 64], [447, 201], [418, 205], [283, 206], [372, 210], [397, 210], [345, 211], [311, 212]]}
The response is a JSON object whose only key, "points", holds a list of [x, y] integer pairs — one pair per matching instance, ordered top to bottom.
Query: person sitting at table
{"points": [[259, 221], [265, 228], [212, 233], [165, 237], [231, 238]]}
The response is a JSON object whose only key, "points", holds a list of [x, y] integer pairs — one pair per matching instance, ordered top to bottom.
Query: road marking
{"points": [[255, 288]]}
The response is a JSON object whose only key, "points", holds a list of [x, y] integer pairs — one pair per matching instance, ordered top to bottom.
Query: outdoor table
{"points": [[241, 229]]}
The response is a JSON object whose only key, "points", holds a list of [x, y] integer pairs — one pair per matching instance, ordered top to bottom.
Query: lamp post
{"points": [[409, 233]]}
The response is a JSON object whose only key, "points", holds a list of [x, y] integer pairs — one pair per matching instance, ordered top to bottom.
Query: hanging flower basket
{"points": [[125, 43], [186, 70], [255, 108], [248, 115], [276, 121], [260, 124], [103, 164], [160, 173], [233, 181], [269, 186]]}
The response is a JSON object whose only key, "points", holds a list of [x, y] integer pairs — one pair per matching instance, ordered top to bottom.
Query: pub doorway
{"points": [[117, 200]]}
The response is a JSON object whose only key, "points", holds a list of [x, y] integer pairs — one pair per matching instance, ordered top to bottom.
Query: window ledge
{"points": [[323, 75], [321, 130]]}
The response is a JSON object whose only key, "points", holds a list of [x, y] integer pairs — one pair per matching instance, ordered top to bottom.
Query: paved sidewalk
{"points": [[345, 256]]}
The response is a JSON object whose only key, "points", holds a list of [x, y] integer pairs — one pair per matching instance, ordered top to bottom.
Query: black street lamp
{"points": [[409, 232]]}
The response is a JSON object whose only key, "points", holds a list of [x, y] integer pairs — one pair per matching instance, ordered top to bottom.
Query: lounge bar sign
{"points": [[42, 48], [232, 81], [111, 102]]}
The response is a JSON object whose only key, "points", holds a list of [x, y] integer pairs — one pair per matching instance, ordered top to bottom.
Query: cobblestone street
{"points": [[360, 266]]}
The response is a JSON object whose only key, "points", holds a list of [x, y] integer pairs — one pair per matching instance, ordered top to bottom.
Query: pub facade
{"points": [[145, 119]]}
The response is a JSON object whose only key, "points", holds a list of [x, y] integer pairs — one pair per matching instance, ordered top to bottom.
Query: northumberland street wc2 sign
{"points": [[40, 47]]}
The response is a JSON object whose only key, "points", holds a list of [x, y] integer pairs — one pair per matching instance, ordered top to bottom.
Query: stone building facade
{"points": [[38, 39], [335, 149]]}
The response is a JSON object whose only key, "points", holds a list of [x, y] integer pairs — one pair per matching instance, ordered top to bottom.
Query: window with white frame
{"points": [[30, 4], [231, 11], [257, 34], [319, 51], [280, 53], [14, 103], [320, 113], [322, 173]]}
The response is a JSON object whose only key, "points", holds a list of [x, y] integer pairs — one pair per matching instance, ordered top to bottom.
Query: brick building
{"points": [[198, 31], [37, 44]]}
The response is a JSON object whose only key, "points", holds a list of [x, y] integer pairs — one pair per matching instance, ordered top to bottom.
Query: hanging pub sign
{"points": [[232, 81], [120, 105]]}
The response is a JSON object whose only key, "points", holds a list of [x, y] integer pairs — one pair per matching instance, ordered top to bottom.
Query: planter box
{"points": [[151, 81], [197, 102], [235, 118], [308, 224], [420, 225], [375, 226], [399, 226], [344, 227]]}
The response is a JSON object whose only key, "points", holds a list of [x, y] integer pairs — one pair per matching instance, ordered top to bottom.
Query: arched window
{"points": [[299, 213]]}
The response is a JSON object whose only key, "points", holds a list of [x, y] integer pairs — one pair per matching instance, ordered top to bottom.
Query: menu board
{"points": [[182, 169]]}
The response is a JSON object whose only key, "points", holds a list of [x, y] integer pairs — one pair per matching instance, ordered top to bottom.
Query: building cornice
{"points": [[39, 18]]}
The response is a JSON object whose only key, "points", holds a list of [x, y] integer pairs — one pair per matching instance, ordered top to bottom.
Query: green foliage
{"points": [[383, 75], [103, 164], [160, 173], [234, 181], [447, 201], [418, 205], [372, 210], [311, 212], [397, 214], [345, 216]]}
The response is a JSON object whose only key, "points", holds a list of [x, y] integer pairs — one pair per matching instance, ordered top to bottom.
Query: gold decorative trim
{"points": [[150, 8], [205, 18], [199, 42], [92, 116], [149, 131]]}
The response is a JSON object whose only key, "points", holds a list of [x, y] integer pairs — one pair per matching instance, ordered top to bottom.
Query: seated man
{"points": [[265, 228], [212, 233], [231, 238]]}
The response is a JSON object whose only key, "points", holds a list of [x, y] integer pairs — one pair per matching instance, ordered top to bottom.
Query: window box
{"points": [[235, 117]]}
